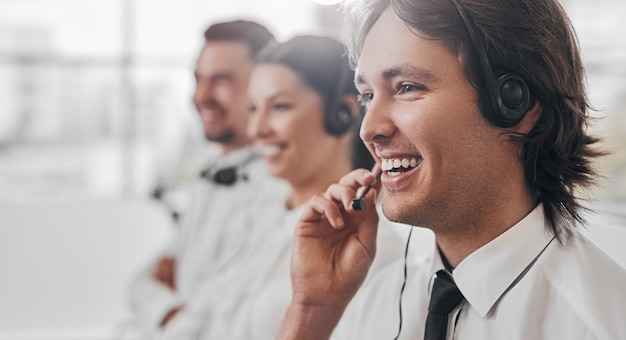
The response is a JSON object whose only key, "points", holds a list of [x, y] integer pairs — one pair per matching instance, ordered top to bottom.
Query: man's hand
{"points": [[333, 250], [165, 271], [171, 315]]}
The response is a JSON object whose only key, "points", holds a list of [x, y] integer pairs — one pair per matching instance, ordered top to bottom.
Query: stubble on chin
{"points": [[222, 138], [403, 211]]}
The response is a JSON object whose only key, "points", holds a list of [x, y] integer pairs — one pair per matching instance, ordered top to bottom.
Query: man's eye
{"points": [[222, 78], [404, 88], [365, 98], [282, 106]]}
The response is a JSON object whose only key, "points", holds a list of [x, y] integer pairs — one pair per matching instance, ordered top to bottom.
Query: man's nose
{"points": [[377, 123]]}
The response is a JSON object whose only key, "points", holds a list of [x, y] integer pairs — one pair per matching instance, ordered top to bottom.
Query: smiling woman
{"points": [[304, 114]]}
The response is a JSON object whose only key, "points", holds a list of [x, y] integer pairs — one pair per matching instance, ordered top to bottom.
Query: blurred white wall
{"points": [[66, 266]]}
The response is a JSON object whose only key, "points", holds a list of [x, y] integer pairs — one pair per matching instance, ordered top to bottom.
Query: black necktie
{"points": [[444, 297]]}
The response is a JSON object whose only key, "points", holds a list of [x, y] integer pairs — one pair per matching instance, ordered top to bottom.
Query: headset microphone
{"points": [[228, 175]]}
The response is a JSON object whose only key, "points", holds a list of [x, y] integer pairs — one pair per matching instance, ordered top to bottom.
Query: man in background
{"points": [[213, 229]]}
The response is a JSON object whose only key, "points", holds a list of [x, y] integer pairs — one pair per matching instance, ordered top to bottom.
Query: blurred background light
{"points": [[327, 2]]}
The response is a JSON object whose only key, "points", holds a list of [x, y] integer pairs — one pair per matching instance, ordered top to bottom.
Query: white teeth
{"points": [[269, 150], [397, 163], [387, 164]]}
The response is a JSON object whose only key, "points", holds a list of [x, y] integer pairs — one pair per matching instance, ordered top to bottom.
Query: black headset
{"points": [[508, 93], [338, 117], [228, 175]]}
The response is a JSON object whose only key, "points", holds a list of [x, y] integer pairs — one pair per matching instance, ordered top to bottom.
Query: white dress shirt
{"points": [[211, 237], [265, 247], [524, 284]]}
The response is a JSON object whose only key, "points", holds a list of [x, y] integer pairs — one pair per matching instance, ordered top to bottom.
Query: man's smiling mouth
{"points": [[395, 165]]}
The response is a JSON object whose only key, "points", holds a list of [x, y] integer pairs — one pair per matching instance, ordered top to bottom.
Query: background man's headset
{"points": [[509, 101], [228, 175]]}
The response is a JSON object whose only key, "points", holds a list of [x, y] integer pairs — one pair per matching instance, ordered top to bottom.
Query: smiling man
{"points": [[478, 114], [215, 228]]}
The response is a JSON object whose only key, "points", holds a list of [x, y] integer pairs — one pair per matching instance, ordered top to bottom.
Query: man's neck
{"points": [[226, 149], [458, 243]]}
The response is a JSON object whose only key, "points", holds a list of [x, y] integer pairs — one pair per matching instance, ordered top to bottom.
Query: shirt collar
{"points": [[486, 274]]}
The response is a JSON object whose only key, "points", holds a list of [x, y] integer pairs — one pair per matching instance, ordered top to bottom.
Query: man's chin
{"points": [[223, 137], [397, 214]]}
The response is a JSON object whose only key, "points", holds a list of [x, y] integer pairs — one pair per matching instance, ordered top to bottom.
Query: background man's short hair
{"points": [[253, 34]]}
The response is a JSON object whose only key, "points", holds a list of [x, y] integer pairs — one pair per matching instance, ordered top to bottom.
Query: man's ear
{"points": [[530, 119]]}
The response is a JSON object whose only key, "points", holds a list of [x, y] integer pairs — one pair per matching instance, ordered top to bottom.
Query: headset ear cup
{"points": [[511, 94], [512, 100], [339, 122]]}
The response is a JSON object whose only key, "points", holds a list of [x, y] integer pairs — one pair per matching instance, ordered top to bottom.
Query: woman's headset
{"points": [[338, 117]]}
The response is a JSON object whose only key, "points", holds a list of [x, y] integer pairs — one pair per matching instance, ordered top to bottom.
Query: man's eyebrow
{"points": [[406, 71], [219, 74], [223, 74], [359, 80], [280, 94]]}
